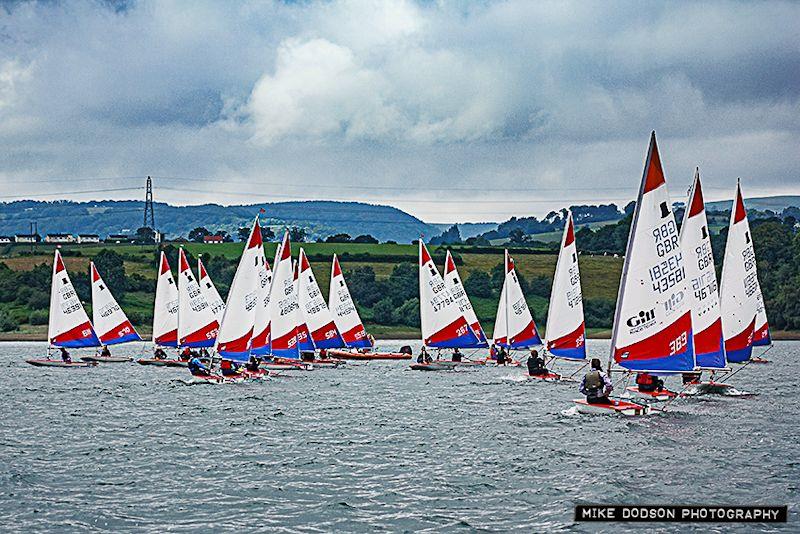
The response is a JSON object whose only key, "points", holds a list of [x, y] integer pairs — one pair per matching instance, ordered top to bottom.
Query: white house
{"points": [[27, 238], [59, 238], [88, 238], [4, 240]]}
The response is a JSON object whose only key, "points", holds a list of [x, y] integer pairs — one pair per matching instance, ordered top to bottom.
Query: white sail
{"points": [[695, 240], [453, 282], [739, 289], [210, 292], [283, 305], [165, 312], [316, 313], [345, 313], [110, 322], [653, 322], [443, 323], [565, 324], [69, 325], [197, 326], [521, 329], [236, 330], [500, 332], [259, 344]]}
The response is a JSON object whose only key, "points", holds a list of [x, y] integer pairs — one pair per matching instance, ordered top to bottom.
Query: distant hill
{"points": [[776, 204], [320, 218], [467, 229]]}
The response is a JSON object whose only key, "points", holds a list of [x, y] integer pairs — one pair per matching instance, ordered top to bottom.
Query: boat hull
{"points": [[348, 355], [110, 359], [156, 362], [57, 363], [431, 367], [551, 377], [663, 395], [614, 408]]}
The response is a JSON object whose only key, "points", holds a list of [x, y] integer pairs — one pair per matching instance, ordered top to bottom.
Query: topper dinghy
{"points": [[652, 322], [68, 326]]}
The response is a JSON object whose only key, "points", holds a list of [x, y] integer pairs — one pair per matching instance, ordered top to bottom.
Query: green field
{"points": [[599, 274]]}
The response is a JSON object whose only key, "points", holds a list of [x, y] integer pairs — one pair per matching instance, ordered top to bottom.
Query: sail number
{"points": [[666, 237], [668, 273], [678, 344]]}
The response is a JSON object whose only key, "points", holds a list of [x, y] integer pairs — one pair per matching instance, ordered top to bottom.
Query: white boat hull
{"points": [[614, 408]]}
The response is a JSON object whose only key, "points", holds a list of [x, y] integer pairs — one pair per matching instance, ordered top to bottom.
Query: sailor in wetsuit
{"points": [[105, 353], [159, 354], [186, 354], [457, 355], [502, 356], [65, 357], [253, 364], [536, 364], [197, 368], [691, 378], [648, 383], [596, 384]]}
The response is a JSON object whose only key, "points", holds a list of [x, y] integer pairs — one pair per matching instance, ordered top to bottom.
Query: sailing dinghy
{"points": [[695, 240], [739, 288], [210, 292], [316, 315], [165, 316], [109, 320], [653, 321], [444, 325], [68, 326], [514, 327], [236, 330], [566, 330], [358, 344]]}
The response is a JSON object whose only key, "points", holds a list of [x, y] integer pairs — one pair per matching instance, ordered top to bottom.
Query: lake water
{"points": [[374, 447]]}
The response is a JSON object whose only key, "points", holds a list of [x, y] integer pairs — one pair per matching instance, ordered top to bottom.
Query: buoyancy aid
{"points": [[645, 379], [594, 384]]}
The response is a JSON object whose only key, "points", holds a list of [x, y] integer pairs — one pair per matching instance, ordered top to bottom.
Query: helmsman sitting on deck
{"points": [[105, 353], [457, 356], [65, 357], [536, 364], [229, 368], [648, 382], [596, 384]]}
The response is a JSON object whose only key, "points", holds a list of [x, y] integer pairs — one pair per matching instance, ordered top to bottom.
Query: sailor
{"points": [[493, 352], [105, 353], [159, 354], [186, 354], [204, 355], [457, 355], [501, 356], [65, 357], [252, 364], [536, 364], [197, 368], [228, 368], [690, 378], [648, 382], [596, 384]]}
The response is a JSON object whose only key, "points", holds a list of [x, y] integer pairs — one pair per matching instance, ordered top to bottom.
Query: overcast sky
{"points": [[453, 111]]}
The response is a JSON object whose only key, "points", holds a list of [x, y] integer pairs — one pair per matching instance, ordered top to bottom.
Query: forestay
{"points": [[695, 240], [453, 282], [739, 290], [210, 292], [283, 306], [165, 311], [345, 313], [318, 318], [110, 321], [653, 321], [443, 323], [68, 325], [197, 326], [236, 330], [566, 332]]}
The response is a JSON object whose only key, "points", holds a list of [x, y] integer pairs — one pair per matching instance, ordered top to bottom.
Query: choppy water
{"points": [[373, 447]]}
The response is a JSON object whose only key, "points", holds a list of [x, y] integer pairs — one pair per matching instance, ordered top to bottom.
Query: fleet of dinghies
{"points": [[670, 318]]}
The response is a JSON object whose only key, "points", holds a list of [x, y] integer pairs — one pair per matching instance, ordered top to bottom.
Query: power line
{"points": [[67, 193]]}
